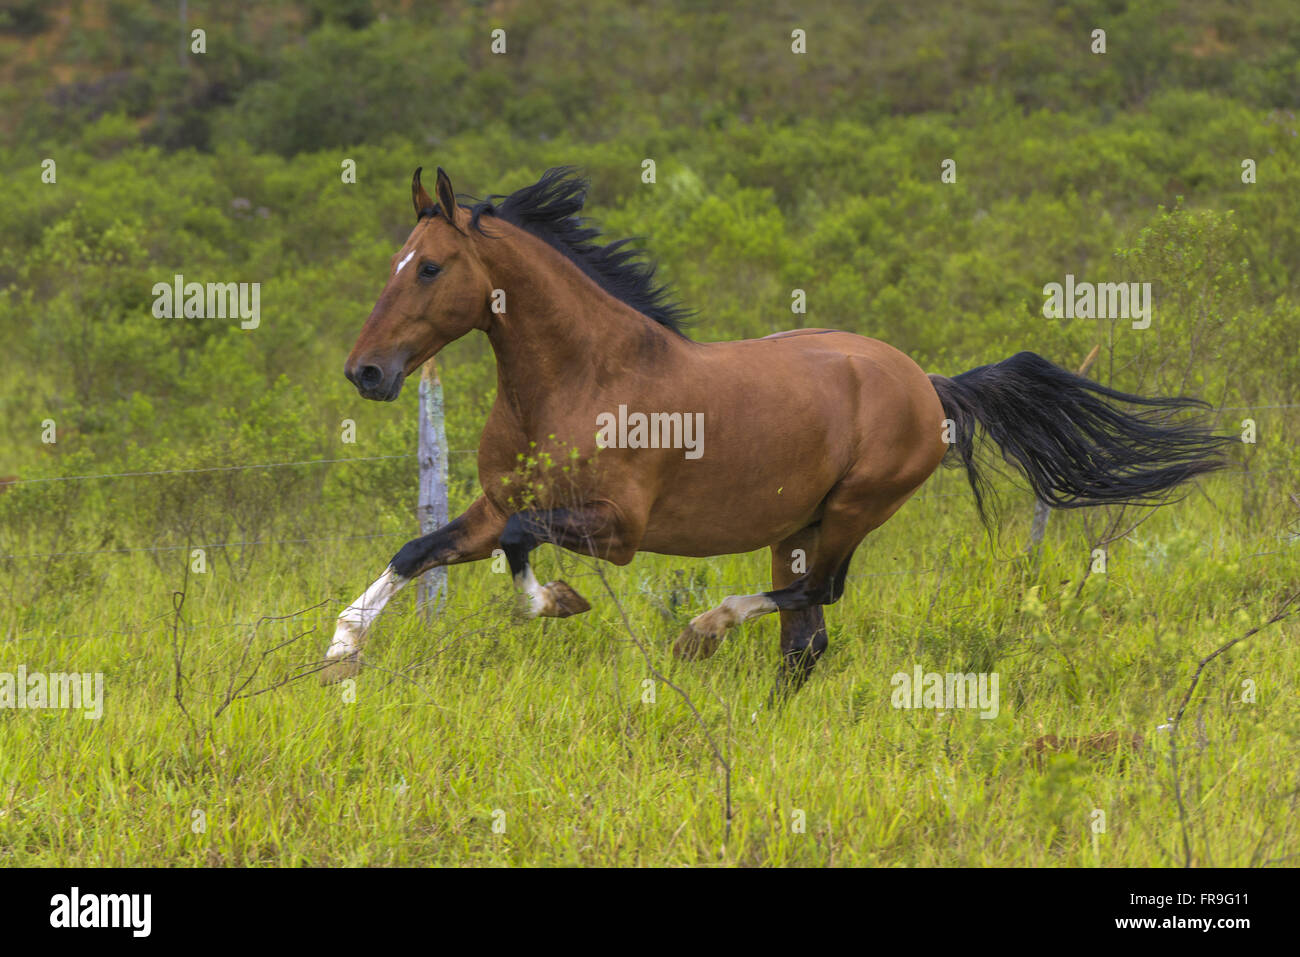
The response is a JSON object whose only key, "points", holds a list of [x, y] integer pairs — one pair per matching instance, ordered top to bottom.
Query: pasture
{"points": [[194, 500], [551, 731]]}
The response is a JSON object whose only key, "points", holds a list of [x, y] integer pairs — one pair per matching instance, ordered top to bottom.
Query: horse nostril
{"points": [[370, 376]]}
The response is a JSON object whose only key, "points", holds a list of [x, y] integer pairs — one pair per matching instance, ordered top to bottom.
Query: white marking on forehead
{"points": [[404, 261]]}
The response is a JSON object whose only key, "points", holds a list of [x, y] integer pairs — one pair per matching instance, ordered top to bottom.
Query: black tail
{"points": [[1068, 436]]}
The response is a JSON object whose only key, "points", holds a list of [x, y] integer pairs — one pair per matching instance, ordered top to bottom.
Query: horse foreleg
{"points": [[597, 529], [468, 538], [354, 624]]}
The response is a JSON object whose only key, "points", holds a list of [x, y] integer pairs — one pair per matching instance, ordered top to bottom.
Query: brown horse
{"points": [[801, 442]]}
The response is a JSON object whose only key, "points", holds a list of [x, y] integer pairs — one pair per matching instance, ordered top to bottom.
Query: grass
{"points": [[477, 739]]}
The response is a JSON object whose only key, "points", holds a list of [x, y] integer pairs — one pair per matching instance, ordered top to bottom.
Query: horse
{"points": [[807, 440]]}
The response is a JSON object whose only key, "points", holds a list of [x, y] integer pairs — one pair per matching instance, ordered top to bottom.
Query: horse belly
{"points": [[742, 505]]}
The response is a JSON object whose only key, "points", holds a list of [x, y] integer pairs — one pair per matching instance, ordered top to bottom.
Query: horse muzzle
{"points": [[377, 382]]}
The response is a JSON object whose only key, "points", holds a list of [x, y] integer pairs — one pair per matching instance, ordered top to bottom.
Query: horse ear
{"points": [[446, 196], [423, 201]]}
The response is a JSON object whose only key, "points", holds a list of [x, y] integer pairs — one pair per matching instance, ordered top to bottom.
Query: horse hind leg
{"points": [[828, 546], [801, 619], [801, 628], [702, 637]]}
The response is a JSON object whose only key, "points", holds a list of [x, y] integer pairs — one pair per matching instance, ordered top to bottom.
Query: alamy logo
{"points": [[214, 300], [1106, 300], [653, 430], [71, 690], [946, 692], [103, 910]]}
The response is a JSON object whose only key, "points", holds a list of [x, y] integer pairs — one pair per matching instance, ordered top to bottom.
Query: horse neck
{"points": [[559, 329]]}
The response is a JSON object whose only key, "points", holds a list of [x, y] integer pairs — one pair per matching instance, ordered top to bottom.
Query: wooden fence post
{"points": [[432, 507], [1041, 509]]}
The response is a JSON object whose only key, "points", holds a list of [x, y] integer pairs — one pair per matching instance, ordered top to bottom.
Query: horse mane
{"points": [[549, 210]]}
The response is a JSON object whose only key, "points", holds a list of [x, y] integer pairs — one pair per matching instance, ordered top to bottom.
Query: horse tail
{"points": [[1070, 436]]}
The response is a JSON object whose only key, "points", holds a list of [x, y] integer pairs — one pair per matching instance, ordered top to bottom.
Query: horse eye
{"points": [[429, 270]]}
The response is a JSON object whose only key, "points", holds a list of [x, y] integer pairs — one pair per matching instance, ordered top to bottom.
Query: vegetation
{"points": [[775, 171]]}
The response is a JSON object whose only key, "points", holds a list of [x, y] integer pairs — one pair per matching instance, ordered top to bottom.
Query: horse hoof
{"points": [[565, 601], [694, 645], [340, 669]]}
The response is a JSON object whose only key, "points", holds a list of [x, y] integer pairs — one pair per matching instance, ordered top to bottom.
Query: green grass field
{"points": [[822, 176], [477, 739]]}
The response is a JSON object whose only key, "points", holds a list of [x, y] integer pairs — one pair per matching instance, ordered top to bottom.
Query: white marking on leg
{"points": [[406, 259], [539, 599], [745, 607], [734, 610], [355, 622]]}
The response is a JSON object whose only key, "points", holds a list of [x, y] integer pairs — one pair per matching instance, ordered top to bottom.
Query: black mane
{"points": [[549, 210]]}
